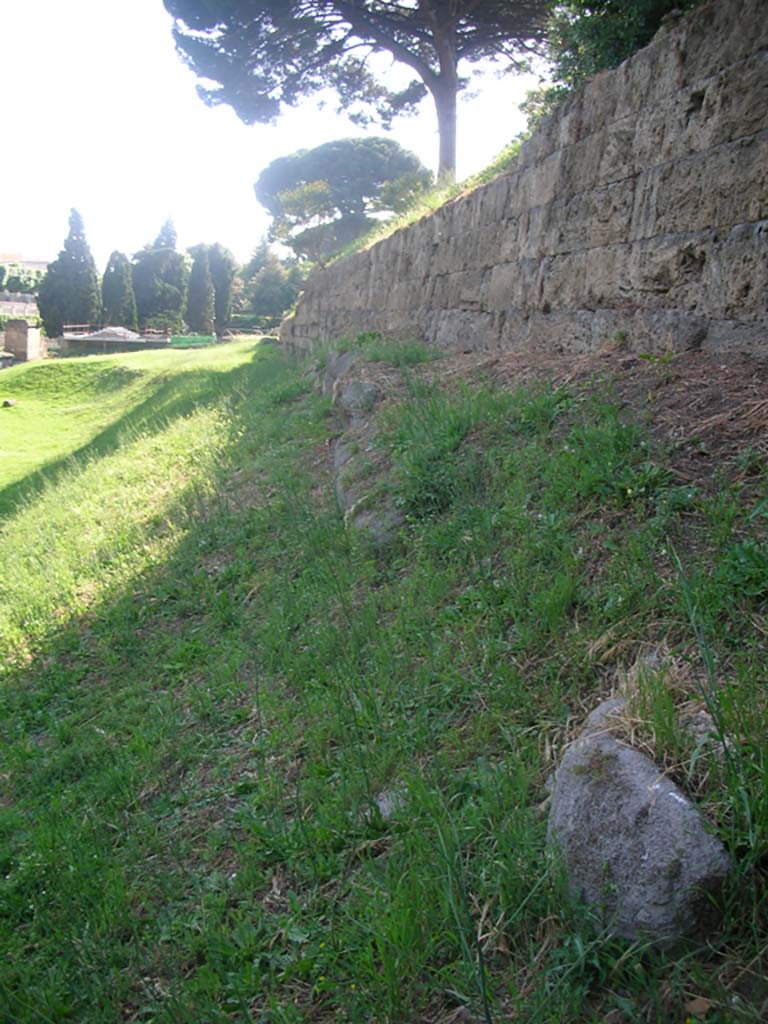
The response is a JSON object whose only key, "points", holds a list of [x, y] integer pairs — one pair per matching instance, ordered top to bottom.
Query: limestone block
{"points": [[721, 34], [645, 76], [600, 99], [739, 106], [719, 109], [572, 117], [652, 132], [617, 159], [580, 164], [535, 186], [698, 192], [494, 201], [611, 214], [532, 238], [509, 241], [484, 246], [654, 265], [735, 279], [607, 280], [562, 282], [513, 285], [470, 288], [513, 329], [668, 330], [463, 331], [560, 332], [736, 336], [634, 847]]}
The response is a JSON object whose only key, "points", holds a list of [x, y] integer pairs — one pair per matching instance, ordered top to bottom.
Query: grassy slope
{"points": [[206, 683]]}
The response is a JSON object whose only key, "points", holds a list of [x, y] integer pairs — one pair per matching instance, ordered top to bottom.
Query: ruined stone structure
{"points": [[638, 214], [24, 342]]}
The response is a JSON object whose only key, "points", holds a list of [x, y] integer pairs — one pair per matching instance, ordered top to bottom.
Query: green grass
{"points": [[192, 340], [400, 352], [79, 408], [206, 683]]}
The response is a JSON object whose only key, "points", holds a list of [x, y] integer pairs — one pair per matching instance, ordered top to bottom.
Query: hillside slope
{"points": [[254, 769]]}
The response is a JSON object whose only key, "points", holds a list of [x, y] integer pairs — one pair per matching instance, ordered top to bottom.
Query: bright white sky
{"points": [[100, 114]]}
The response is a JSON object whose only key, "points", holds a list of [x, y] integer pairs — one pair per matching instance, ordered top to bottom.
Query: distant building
{"points": [[15, 260], [18, 305], [82, 340]]}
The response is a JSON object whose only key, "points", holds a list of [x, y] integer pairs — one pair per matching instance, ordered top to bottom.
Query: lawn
{"points": [[76, 408], [254, 769]]}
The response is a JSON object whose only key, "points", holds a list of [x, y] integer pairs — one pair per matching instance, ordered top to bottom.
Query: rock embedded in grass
{"points": [[336, 365], [358, 399], [635, 849]]}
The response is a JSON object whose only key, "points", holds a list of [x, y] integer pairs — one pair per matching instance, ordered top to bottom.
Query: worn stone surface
{"points": [[641, 207], [336, 365], [358, 398], [359, 468], [361, 494], [378, 518], [634, 846]]}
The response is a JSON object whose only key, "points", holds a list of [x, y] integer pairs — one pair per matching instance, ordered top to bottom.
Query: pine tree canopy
{"points": [[259, 56], [321, 198]]}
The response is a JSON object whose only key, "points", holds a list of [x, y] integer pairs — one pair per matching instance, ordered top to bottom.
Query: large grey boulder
{"points": [[336, 365], [358, 399], [634, 847]]}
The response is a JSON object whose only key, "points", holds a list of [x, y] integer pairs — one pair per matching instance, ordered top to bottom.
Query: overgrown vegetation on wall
{"points": [[585, 37]]}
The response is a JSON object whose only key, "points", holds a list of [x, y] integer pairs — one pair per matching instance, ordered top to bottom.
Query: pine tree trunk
{"points": [[445, 89], [445, 104]]}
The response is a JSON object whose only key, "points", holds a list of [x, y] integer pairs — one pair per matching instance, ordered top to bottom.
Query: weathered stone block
{"points": [[635, 848]]}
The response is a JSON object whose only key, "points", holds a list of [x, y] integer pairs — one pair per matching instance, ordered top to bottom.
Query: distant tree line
{"points": [[202, 290]]}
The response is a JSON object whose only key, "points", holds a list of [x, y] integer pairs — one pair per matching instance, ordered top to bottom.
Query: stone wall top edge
{"points": [[572, 105]]}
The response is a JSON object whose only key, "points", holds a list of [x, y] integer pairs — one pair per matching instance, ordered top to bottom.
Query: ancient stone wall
{"points": [[637, 214]]}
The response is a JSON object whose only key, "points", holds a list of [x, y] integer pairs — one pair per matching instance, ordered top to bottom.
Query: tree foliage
{"points": [[588, 36], [259, 56], [321, 199], [223, 266], [223, 270], [160, 276], [19, 279], [270, 285], [69, 291], [200, 295], [117, 296]]}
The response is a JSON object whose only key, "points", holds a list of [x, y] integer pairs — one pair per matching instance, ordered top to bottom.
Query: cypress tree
{"points": [[223, 267], [160, 281], [69, 292], [117, 295], [200, 304]]}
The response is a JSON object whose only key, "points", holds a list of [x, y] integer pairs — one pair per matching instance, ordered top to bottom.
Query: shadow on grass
{"points": [[174, 397], [102, 733]]}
